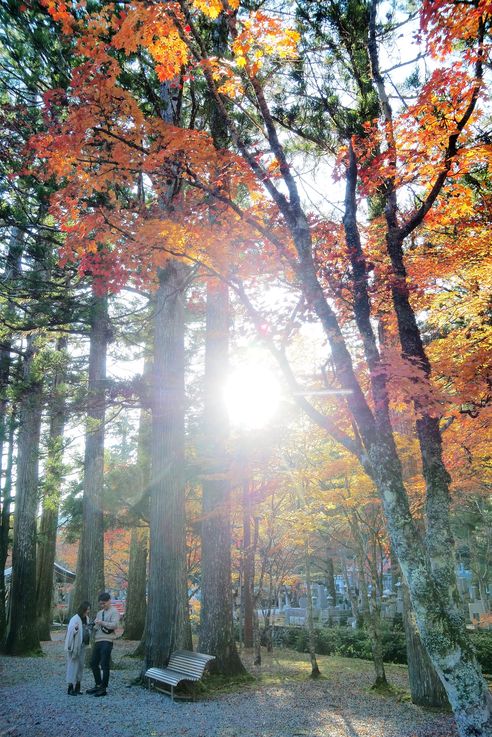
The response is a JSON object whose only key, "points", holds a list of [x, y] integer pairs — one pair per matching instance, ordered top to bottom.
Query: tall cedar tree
{"points": [[34, 58], [11, 273], [51, 493], [90, 560], [136, 600], [167, 610], [216, 623], [22, 634]]}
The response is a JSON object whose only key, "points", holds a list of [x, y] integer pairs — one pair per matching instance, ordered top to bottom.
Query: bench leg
{"points": [[172, 693]]}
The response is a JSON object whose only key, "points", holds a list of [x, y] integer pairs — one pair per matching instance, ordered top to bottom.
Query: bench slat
{"points": [[192, 657], [187, 659], [185, 664], [185, 667], [169, 676]]}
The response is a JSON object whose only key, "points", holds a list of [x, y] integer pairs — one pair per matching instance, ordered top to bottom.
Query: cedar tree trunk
{"points": [[11, 273], [51, 499], [5, 522], [90, 563], [248, 569], [136, 601], [136, 604], [167, 610], [216, 624], [22, 634]]}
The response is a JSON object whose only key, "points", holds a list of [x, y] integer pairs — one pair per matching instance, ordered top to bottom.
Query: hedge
{"points": [[482, 641], [355, 643]]}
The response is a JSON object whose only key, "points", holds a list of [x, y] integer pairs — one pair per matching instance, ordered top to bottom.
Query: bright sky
{"points": [[252, 394]]}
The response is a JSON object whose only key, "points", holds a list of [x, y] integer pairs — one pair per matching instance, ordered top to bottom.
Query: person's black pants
{"points": [[100, 661]]}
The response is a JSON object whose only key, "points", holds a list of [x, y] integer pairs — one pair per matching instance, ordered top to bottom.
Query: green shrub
{"points": [[397, 623], [287, 637], [301, 641], [326, 641], [344, 641], [482, 642], [355, 643], [394, 647]]}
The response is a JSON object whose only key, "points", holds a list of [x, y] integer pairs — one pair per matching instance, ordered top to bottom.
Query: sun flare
{"points": [[252, 395]]}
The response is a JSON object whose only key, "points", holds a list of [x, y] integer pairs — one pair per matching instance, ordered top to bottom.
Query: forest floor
{"points": [[280, 701]]}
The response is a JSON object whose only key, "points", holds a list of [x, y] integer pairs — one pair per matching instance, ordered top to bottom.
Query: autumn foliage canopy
{"points": [[116, 161]]}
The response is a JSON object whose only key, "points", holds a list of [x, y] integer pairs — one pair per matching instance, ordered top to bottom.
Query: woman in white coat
{"points": [[75, 647]]}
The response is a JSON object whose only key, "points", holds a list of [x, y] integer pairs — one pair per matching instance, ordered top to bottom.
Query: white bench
{"points": [[183, 665]]}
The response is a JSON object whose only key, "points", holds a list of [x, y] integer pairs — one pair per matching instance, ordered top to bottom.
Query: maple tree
{"points": [[414, 163], [332, 500], [361, 513], [265, 550], [270, 552], [116, 553]]}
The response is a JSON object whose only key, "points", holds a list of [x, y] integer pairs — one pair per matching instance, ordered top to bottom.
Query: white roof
{"points": [[60, 570]]}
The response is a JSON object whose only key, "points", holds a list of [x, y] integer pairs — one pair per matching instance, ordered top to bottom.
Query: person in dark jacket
{"points": [[105, 626]]}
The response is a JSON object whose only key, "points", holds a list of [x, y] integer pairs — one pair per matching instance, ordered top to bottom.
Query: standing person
{"points": [[105, 625], [75, 647]]}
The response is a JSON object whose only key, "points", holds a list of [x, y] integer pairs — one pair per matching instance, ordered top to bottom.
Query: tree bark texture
{"points": [[11, 273], [51, 499], [5, 523], [90, 563], [248, 569], [136, 603], [167, 611], [216, 624], [22, 637], [256, 638], [139, 651], [315, 671], [425, 686]]}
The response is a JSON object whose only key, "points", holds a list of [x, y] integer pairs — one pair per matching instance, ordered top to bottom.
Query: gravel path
{"points": [[33, 703]]}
